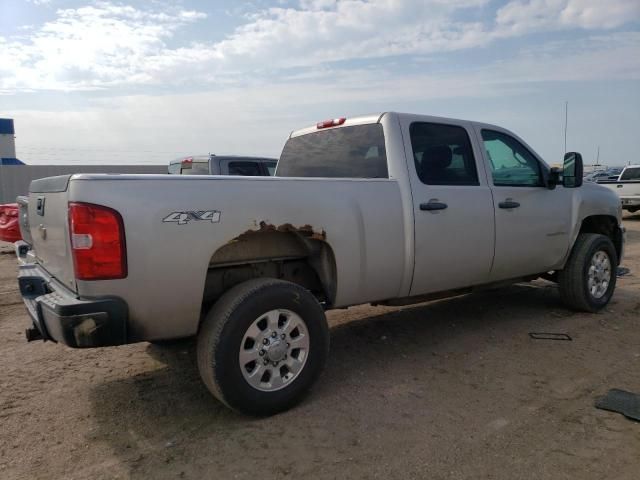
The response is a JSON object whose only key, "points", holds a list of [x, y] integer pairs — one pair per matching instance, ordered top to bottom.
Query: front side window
{"points": [[346, 152], [443, 154], [511, 163], [249, 169], [631, 174]]}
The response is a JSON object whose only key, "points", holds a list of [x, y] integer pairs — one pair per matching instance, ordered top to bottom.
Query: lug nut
{"points": [[274, 334], [283, 336], [265, 341], [288, 345], [261, 352], [266, 362], [275, 364]]}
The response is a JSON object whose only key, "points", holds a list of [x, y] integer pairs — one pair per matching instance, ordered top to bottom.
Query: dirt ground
{"points": [[450, 389]]}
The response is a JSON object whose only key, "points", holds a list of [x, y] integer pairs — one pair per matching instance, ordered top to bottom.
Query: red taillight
{"points": [[331, 123], [187, 161], [97, 242]]}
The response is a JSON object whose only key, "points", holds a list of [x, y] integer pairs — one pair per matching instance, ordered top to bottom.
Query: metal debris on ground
{"points": [[620, 271], [550, 336], [620, 401]]}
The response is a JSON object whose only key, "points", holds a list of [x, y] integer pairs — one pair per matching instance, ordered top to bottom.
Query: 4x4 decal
{"points": [[182, 218]]}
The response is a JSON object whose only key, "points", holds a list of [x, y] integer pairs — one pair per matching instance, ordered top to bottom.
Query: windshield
{"points": [[347, 152]]}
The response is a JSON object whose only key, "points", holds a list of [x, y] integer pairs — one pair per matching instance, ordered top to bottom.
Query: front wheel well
{"points": [[604, 225]]}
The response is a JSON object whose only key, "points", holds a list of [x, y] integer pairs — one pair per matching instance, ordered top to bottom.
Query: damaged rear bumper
{"points": [[58, 315]]}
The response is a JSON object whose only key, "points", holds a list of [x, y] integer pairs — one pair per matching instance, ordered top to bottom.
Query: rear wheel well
{"points": [[604, 225], [296, 255]]}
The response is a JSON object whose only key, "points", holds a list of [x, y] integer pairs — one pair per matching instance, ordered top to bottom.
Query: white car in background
{"points": [[627, 186]]}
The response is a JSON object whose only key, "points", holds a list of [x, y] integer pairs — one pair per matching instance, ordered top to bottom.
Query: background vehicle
{"points": [[223, 165], [608, 174], [627, 186], [385, 209], [9, 228]]}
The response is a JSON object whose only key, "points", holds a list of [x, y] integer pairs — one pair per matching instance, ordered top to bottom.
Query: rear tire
{"points": [[588, 279], [262, 345]]}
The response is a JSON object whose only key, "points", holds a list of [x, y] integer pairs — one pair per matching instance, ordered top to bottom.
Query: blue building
{"points": [[8, 143]]}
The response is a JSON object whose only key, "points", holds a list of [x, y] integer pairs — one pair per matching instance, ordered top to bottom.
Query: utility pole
{"points": [[566, 118], [598, 156]]}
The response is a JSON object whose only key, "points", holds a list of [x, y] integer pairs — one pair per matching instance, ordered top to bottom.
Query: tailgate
{"points": [[23, 215], [48, 226]]}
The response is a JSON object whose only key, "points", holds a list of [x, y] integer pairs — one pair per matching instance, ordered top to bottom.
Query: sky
{"points": [[149, 81]]}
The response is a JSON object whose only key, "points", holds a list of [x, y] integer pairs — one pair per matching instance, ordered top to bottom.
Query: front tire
{"points": [[589, 278], [262, 346]]}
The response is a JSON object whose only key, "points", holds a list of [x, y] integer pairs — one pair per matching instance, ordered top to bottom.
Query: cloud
{"points": [[519, 16], [325, 31], [107, 45], [89, 47], [155, 129]]}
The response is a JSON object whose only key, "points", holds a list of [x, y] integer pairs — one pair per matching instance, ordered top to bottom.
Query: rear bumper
{"points": [[61, 317]]}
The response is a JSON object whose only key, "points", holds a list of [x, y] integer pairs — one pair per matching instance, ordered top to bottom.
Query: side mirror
{"points": [[572, 170]]}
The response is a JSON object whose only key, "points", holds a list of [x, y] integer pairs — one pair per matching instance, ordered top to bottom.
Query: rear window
{"points": [[347, 152], [195, 168], [249, 169], [631, 174]]}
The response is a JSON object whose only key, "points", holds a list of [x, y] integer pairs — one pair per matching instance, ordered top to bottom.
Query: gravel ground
{"points": [[449, 389]]}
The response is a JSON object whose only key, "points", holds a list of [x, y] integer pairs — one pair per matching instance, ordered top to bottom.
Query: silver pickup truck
{"points": [[223, 165], [386, 209]]}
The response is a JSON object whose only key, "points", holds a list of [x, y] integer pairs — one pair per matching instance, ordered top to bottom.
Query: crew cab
{"points": [[223, 165], [627, 186], [386, 209]]}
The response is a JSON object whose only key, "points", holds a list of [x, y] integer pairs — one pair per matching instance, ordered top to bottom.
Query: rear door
{"points": [[453, 208], [532, 222]]}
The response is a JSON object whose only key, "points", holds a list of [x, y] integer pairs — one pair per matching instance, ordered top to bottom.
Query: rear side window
{"points": [[346, 152], [443, 154], [249, 169], [631, 174]]}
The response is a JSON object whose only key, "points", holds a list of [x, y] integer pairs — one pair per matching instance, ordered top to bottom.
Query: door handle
{"points": [[508, 203], [433, 205]]}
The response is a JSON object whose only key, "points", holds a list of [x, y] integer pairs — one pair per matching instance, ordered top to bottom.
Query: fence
{"points": [[15, 179]]}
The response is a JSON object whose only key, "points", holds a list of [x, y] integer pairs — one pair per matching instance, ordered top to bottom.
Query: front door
{"points": [[453, 209], [532, 222]]}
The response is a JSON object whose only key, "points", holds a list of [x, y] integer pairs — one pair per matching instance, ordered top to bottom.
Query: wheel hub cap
{"points": [[599, 274], [274, 350]]}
